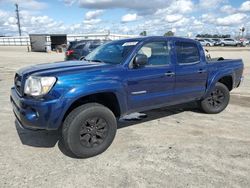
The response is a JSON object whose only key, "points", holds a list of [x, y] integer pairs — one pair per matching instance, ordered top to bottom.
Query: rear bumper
{"points": [[241, 81], [35, 114]]}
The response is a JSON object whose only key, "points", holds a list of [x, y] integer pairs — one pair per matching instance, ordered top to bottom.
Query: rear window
{"points": [[79, 47], [187, 52]]}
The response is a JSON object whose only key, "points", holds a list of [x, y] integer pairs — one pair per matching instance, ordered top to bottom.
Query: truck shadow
{"points": [[48, 139]]}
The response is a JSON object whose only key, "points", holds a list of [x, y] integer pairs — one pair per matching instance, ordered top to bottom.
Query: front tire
{"points": [[217, 100], [89, 130]]}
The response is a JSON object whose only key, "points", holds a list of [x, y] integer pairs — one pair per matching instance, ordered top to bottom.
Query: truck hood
{"points": [[61, 67]]}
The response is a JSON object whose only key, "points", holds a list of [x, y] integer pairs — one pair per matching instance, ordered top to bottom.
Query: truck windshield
{"points": [[113, 52]]}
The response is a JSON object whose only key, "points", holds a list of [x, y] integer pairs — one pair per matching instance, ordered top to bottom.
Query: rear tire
{"points": [[217, 100], [89, 130]]}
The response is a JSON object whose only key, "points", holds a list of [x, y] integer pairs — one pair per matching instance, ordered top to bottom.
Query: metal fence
{"points": [[25, 40], [15, 41]]}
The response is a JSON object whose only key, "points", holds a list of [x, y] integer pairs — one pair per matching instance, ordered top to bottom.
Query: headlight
{"points": [[37, 86]]}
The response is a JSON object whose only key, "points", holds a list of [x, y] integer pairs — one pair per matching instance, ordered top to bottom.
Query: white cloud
{"points": [[69, 2], [27, 4], [210, 4], [245, 6], [142, 7], [180, 7], [228, 9], [93, 14], [129, 17], [156, 17], [173, 18], [208, 18], [233, 19], [92, 21], [182, 22]]}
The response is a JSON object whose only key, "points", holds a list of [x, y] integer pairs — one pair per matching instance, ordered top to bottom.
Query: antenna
{"points": [[18, 20]]}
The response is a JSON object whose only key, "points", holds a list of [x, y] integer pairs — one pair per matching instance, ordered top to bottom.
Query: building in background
{"points": [[47, 42]]}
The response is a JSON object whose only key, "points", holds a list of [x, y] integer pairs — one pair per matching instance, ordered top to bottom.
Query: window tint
{"points": [[80, 47], [187, 52], [157, 53]]}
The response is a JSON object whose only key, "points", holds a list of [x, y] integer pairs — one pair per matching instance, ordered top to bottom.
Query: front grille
{"points": [[18, 83]]}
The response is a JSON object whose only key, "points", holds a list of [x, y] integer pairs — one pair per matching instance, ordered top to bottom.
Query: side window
{"points": [[187, 52], [157, 53]]}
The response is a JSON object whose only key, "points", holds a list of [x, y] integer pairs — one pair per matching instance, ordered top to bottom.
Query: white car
{"points": [[244, 41], [205, 42], [230, 42]]}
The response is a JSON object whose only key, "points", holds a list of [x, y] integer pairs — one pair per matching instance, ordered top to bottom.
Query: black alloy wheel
{"points": [[217, 100], [89, 130], [93, 132]]}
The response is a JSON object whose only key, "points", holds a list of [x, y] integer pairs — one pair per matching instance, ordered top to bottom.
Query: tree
{"points": [[144, 33], [169, 34], [212, 36]]}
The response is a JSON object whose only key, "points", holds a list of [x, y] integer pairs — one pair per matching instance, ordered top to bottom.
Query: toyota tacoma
{"points": [[84, 99]]}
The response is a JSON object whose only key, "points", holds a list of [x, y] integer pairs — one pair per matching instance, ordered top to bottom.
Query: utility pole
{"points": [[18, 20]]}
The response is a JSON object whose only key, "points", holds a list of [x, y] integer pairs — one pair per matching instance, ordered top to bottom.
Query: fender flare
{"points": [[215, 78]]}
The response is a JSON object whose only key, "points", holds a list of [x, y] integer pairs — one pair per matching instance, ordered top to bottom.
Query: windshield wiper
{"points": [[94, 60]]}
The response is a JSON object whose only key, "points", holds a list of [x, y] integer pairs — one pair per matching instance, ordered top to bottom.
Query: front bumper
{"points": [[36, 114]]}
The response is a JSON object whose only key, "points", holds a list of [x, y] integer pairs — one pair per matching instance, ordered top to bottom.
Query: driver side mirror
{"points": [[140, 60]]}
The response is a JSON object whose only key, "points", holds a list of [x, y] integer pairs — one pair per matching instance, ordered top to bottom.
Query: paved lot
{"points": [[172, 147]]}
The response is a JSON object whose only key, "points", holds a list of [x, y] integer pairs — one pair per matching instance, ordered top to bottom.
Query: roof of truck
{"points": [[144, 38]]}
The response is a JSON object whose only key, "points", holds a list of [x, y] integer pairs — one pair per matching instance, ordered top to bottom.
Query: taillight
{"points": [[69, 52]]}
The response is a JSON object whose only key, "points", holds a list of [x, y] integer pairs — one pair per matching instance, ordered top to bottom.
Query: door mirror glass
{"points": [[140, 60]]}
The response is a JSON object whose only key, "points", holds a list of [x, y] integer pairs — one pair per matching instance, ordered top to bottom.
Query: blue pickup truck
{"points": [[86, 98]]}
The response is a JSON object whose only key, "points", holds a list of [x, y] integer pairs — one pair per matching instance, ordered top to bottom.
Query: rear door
{"points": [[191, 72], [152, 85]]}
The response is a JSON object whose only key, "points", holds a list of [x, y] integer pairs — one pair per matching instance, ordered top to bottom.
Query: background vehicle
{"points": [[210, 40], [244, 41], [205, 42], [217, 42], [230, 42], [77, 50], [86, 98]]}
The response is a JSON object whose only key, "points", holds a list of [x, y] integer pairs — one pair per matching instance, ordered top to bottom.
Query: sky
{"points": [[183, 17]]}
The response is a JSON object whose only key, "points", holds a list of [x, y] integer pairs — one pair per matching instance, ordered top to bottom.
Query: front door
{"points": [[153, 84]]}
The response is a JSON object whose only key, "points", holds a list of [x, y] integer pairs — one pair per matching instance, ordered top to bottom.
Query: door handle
{"points": [[201, 71], [169, 73]]}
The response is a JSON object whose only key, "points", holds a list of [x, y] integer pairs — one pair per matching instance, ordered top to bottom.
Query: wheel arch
{"points": [[227, 79], [107, 98]]}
